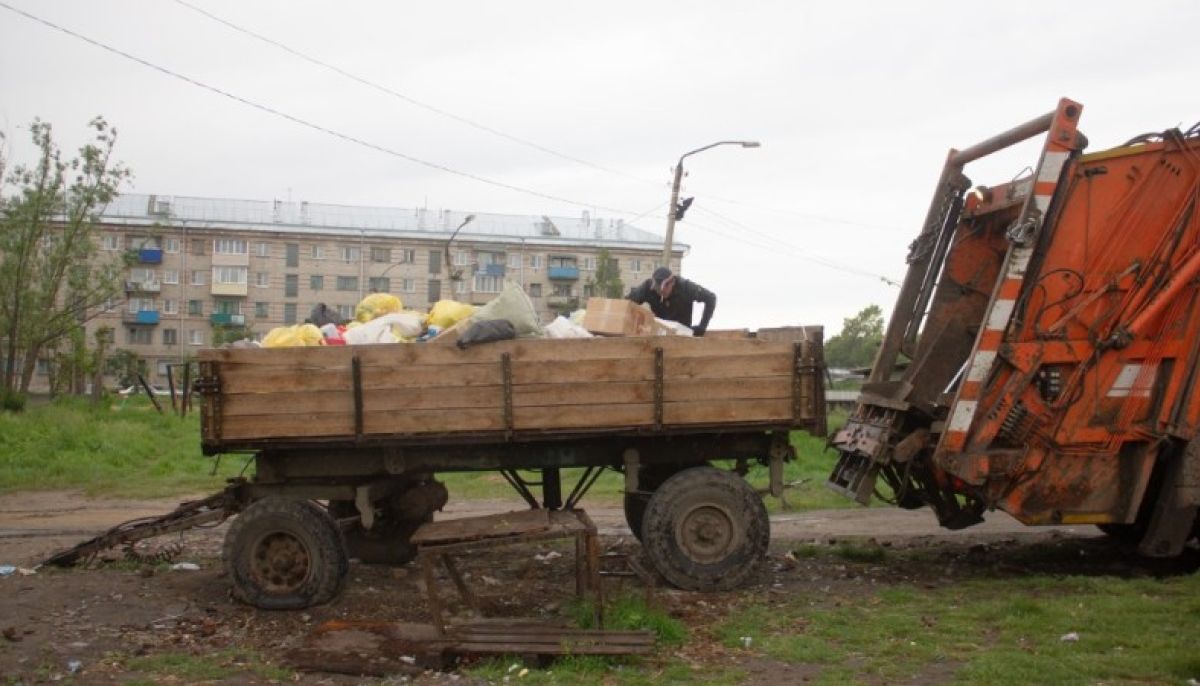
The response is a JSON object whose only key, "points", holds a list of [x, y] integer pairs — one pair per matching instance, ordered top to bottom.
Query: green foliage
{"points": [[53, 277], [607, 281], [230, 334], [858, 341], [125, 365], [12, 401], [631, 613], [992, 631]]}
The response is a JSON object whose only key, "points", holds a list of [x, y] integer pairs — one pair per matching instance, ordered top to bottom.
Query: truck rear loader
{"points": [[1043, 355]]}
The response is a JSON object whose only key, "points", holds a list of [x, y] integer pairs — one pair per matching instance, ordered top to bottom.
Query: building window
{"points": [[111, 242], [172, 245], [197, 246], [229, 246], [263, 250], [318, 252], [351, 253], [381, 254], [293, 255], [408, 256], [485, 257], [462, 258], [514, 260], [435, 261], [535, 261], [589, 264], [635, 265], [143, 275], [229, 275], [171, 276], [197, 277], [262, 279], [316, 282], [347, 283], [380, 284], [488, 284], [291, 285], [408, 285], [460, 287], [535, 290], [563, 290], [589, 290], [434, 291], [141, 305], [227, 306], [170, 307], [196, 308], [262, 310], [346, 311], [289, 313], [137, 335], [170, 337], [196, 337], [164, 368]]}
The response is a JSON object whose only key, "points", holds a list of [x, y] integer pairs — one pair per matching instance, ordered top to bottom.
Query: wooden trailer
{"points": [[367, 428]]}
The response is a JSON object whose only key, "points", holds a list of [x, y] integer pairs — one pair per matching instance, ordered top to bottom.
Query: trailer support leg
{"points": [[552, 488]]}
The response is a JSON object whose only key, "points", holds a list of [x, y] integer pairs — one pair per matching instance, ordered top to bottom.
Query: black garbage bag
{"points": [[323, 314], [486, 332]]}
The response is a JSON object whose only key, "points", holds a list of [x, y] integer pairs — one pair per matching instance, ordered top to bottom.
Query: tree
{"points": [[52, 278], [607, 282], [858, 341]]}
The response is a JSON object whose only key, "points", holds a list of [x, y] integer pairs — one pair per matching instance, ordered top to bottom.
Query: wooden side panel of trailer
{"points": [[577, 385]]}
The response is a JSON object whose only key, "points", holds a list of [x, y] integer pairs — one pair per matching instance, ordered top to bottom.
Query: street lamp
{"points": [[673, 208], [454, 277]]}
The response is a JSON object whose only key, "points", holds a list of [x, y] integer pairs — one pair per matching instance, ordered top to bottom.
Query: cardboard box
{"points": [[615, 317]]}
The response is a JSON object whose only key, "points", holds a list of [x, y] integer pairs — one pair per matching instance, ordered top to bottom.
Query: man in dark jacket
{"points": [[670, 297]]}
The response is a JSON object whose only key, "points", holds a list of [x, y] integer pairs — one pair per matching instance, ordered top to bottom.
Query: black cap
{"points": [[661, 274]]}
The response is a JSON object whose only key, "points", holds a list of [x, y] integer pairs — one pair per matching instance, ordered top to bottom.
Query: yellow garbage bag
{"points": [[377, 305], [446, 313], [293, 336]]}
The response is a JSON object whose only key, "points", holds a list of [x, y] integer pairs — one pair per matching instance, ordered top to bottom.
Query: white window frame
{"points": [[110, 242], [171, 245], [230, 246], [263, 249], [318, 252], [351, 253], [462, 258], [514, 260], [535, 261], [588, 264], [635, 265], [170, 276], [229, 276], [199, 277], [262, 279], [488, 284], [408, 285], [460, 287], [170, 307], [345, 311], [174, 334], [195, 336]]}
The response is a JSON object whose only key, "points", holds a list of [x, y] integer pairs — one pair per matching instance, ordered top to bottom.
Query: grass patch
{"points": [[122, 448], [865, 553], [631, 613], [998, 631], [597, 671]]}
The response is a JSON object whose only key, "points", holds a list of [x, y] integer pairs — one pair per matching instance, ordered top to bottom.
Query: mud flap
{"points": [[1177, 505]]}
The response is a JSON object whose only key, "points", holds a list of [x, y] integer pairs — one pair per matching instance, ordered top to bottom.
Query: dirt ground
{"points": [[115, 616]]}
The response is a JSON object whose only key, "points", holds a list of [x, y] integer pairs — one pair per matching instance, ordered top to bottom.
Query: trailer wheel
{"points": [[649, 480], [706, 530], [284, 554]]}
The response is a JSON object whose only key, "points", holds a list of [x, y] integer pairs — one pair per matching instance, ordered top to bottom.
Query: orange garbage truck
{"points": [[1043, 355]]}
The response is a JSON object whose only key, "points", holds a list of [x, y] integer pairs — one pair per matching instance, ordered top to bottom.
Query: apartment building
{"points": [[206, 265]]}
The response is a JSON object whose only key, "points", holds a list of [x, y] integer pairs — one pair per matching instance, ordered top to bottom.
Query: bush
{"points": [[12, 401]]}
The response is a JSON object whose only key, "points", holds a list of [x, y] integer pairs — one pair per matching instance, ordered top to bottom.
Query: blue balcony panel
{"points": [[150, 255], [491, 269], [563, 272]]}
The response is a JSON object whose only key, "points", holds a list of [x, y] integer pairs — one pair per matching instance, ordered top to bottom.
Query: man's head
{"points": [[662, 281]]}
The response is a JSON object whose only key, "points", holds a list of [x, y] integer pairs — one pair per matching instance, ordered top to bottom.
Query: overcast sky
{"points": [[855, 105]]}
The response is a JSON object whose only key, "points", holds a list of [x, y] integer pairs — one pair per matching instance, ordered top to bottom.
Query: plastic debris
{"points": [[552, 555], [185, 567], [7, 570], [23, 571], [1072, 637], [747, 641], [73, 666], [523, 672]]}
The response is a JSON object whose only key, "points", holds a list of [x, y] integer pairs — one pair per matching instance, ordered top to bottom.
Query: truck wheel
{"points": [[649, 480], [706, 530], [285, 554]]}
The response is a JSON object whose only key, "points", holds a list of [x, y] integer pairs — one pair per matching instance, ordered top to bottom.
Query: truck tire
{"points": [[649, 479], [706, 530], [285, 554]]}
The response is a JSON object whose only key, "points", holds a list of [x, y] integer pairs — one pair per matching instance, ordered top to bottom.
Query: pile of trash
{"points": [[382, 318]]}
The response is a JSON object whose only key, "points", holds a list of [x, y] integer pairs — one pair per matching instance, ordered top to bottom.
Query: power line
{"points": [[406, 98], [304, 122], [491, 130]]}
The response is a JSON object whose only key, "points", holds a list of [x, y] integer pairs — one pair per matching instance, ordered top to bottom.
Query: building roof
{"points": [[377, 222]]}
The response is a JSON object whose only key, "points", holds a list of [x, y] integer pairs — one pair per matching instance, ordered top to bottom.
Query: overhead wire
{"points": [[494, 131], [410, 158]]}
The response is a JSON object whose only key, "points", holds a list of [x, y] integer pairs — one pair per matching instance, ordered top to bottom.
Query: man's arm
{"points": [[638, 293], [703, 295]]}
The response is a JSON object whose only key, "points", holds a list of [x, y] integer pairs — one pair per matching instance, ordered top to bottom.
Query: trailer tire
{"points": [[649, 480], [706, 530], [285, 554]]}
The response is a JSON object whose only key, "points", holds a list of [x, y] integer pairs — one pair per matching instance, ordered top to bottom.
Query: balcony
{"points": [[150, 255], [494, 269], [563, 273], [142, 286], [230, 289], [140, 317], [227, 319]]}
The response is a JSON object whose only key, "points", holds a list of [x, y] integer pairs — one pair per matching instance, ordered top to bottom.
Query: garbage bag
{"points": [[376, 305], [513, 305], [446, 313], [322, 314], [562, 327], [390, 328], [487, 332], [293, 336]]}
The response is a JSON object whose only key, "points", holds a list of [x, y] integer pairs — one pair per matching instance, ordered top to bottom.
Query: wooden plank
{"points": [[531, 350], [728, 367], [722, 411], [288, 426]]}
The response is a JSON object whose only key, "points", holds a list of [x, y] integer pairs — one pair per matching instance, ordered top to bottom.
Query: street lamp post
{"points": [[672, 209], [469, 218]]}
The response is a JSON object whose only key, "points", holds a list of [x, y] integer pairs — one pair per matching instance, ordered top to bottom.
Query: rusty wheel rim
{"points": [[706, 533], [281, 563]]}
